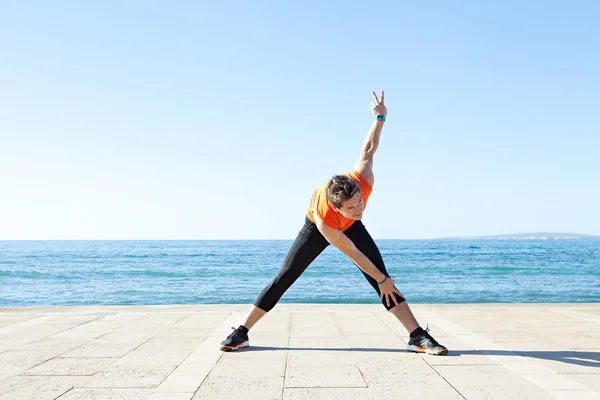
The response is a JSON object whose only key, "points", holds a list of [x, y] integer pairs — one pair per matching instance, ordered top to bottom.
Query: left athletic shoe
{"points": [[235, 341], [425, 343]]}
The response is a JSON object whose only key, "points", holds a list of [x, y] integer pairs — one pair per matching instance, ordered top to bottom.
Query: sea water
{"points": [[207, 272]]}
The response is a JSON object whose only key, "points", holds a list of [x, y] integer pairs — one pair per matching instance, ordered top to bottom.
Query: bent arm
{"points": [[345, 245]]}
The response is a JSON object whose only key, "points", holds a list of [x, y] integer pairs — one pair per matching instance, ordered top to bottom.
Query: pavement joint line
{"points": [[577, 314], [132, 321], [440, 321], [337, 322], [224, 323], [24, 324], [43, 337], [66, 351], [287, 352], [422, 358], [562, 379], [326, 387], [64, 393]]}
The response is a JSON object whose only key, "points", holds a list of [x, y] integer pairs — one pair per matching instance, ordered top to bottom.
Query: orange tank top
{"points": [[327, 213]]}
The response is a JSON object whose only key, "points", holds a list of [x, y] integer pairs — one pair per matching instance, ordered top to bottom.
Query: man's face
{"points": [[353, 208]]}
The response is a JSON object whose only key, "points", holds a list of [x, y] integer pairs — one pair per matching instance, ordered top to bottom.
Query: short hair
{"points": [[341, 188]]}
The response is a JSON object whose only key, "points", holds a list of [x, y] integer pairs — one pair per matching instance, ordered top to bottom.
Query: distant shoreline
{"points": [[527, 236]]}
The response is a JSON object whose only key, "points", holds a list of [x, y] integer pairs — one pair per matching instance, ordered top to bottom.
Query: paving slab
{"points": [[299, 351]]}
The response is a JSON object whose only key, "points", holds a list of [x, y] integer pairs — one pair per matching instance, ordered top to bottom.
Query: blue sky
{"points": [[217, 120]]}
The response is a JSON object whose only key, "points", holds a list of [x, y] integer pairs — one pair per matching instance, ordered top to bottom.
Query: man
{"points": [[334, 217]]}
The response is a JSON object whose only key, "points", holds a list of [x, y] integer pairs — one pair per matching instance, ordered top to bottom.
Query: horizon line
{"points": [[480, 237]]}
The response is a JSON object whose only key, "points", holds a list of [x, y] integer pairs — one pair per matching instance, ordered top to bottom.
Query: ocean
{"points": [[44, 273]]}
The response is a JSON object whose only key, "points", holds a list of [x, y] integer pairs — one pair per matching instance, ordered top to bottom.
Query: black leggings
{"points": [[308, 245]]}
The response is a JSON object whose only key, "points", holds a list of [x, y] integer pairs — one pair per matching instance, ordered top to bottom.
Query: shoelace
{"points": [[233, 334], [429, 337], [432, 341]]}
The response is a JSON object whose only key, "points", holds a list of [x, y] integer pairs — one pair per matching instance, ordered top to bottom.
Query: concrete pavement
{"points": [[299, 352]]}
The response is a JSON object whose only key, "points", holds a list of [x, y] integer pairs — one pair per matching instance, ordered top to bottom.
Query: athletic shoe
{"points": [[236, 340], [425, 343]]}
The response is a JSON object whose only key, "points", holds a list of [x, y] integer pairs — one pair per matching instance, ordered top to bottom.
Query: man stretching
{"points": [[334, 217]]}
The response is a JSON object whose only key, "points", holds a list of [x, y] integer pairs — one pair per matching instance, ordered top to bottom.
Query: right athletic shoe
{"points": [[236, 340], [425, 343]]}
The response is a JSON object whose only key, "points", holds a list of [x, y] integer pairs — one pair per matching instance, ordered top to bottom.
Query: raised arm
{"points": [[364, 165]]}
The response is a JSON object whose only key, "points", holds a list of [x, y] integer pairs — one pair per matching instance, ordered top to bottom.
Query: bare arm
{"points": [[364, 165], [346, 246]]}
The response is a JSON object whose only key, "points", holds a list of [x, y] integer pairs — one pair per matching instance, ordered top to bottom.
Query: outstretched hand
{"points": [[377, 106], [387, 290]]}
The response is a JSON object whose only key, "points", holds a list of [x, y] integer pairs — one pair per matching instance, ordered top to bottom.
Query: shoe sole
{"points": [[234, 348], [418, 349]]}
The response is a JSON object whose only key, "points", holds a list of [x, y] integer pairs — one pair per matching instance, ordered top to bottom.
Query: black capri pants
{"points": [[306, 247]]}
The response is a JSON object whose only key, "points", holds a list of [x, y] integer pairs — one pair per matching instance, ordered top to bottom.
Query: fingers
{"points": [[375, 97], [382, 97], [397, 291], [391, 294], [388, 296], [394, 297]]}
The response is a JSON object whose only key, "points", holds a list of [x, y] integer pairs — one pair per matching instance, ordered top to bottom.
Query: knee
{"points": [[399, 300], [261, 306]]}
